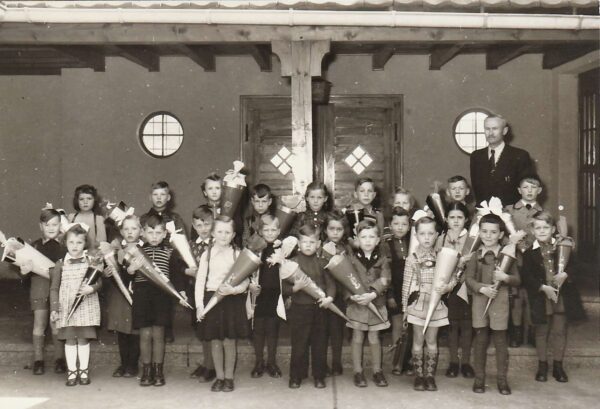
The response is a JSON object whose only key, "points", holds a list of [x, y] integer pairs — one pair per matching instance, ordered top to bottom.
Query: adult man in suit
{"points": [[497, 169]]}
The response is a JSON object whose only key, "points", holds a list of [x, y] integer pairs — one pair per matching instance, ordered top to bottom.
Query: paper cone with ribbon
{"points": [[234, 185], [436, 204], [117, 212], [286, 217], [472, 242], [181, 244], [18, 252], [110, 259], [507, 259], [445, 264], [243, 267], [341, 268], [291, 272], [153, 273], [92, 274]]}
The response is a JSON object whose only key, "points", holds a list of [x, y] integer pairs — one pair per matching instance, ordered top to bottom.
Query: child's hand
{"points": [[517, 238], [276, 258], [464, 260], [135, 264], [27, 267], [109, 271], [191, 272], [500, 275], [559, 279], [300, 284], [226, 289], [254, 289], [86, 290], [489, 292], [550, 292], [366, 298], [185, 299], [325, 302], [288, 303], [392, 304], [199, 313], [54, 316]]}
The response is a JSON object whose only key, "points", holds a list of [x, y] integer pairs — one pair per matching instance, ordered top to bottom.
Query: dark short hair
{"points": [[211, 176], [458, 178], [531, 178], [160, 185], [89, 190], [261, 190], [203, 212], [400, 212], [48, 214], [543, 216], [267, 219], [492, 219], [424, 220], [153, 221], [367, 224], [309, 230]]}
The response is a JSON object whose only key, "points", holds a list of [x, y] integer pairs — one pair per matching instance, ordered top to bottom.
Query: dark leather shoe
{"points": [[516, 337], [60, 366], [38, 368], [258, 370], [273, 370], [337, 370], [328, 371], [452, 371], [467, 371], [119, 372], [131, 372], [198, 372], [397, 372], [542, 372], [558, 372], [208, 376], [84, 377], [159, 377], [72, 378], [147, 378], [379, 379], [359, 380], [294, 383], [319, 383], [419, 384], [430, 384], [217, 385], [228, 385], [479, 386], [503, 387]]}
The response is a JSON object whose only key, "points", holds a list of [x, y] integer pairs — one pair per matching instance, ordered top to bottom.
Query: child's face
{"points": [[212, 190], [458, 191], [529, 191], [365, 193], [160, 198], [316, 198], [402, 200], [86, 202], [261, 204], [456, 220], [400, 226], [203, 227], [51, 228], [131, 231], [335, 231], [542, 231], [270, 232], [223, 233], [490, 234], [155, 235], [426, 235], [368, 239], [75, 244], [308, 245]]}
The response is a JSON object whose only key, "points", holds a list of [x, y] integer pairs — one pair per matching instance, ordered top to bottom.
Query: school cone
{"points": [[234, 185], [435, 203], [117, 212], [286, 217], [509, 223], [472, 242], [181, 244], [564, 248], [18, 252], [110, 258], [445, 264], [505, 264], [243, 267], [341, 268], [290, 271], [153, 273], [90, 278]]}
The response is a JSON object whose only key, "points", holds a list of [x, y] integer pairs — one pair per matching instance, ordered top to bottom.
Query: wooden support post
{"points": [[442, 54], [203, 55], [500, 55], [92, 56], [144, 56], [262, 56], [558, 56], [381, 57], [301, 60]]}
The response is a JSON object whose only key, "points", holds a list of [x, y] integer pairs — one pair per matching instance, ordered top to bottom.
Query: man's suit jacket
{"points": [[512, 165]]}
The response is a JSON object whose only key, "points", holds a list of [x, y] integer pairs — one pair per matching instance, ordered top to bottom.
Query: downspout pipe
{"points": [[291, 17]]}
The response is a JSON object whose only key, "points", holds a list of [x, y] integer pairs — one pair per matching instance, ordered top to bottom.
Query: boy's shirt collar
{"points": [[521, 203], [200, 240], [44, 241], [537, 244], [496, 250], [421, 252], [74, 260]]}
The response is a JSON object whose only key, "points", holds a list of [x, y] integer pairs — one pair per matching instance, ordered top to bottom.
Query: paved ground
{"points": [[19, 389]]}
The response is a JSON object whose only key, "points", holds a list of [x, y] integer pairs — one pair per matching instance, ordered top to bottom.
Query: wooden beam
{"points": [[153, 34], [141, 55], [203, 55], [441, 55], [562, 55], [91, 56], [262, 56], [496, 56], [381, 57], [20, 70]]}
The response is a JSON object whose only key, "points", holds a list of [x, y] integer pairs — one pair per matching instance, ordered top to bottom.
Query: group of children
{"points": [[398, 286]]}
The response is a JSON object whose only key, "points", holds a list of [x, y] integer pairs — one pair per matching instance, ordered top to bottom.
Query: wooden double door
{"points": [[353, 137]]}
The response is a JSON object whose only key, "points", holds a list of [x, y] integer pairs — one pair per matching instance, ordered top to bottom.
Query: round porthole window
{"points": [[468, 130], [161, 134]]}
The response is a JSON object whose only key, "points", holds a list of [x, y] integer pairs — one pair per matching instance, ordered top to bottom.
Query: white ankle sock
{"points": [[84, 356], [71, 357]]}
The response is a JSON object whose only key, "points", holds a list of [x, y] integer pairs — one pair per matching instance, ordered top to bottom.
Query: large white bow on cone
{"points": [[179, 241], [19, 253], [445, 264]]}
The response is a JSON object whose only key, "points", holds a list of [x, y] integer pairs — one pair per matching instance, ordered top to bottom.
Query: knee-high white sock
{"points": [[71, 356], [84, 356]]}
